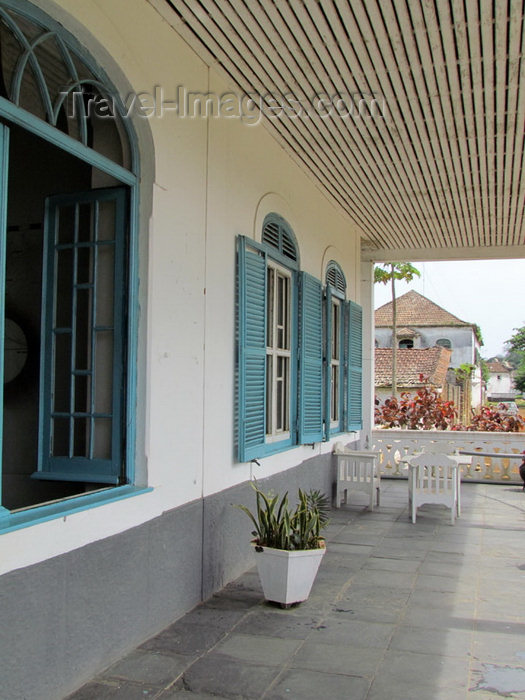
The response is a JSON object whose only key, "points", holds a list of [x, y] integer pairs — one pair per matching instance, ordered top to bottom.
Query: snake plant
{"points": [[279, 526]]}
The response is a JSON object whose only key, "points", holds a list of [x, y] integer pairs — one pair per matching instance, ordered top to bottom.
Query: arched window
{"points": [[43, 73], [278, 234], [67, 279], [279, 328], [406, 343], [444, 343], [334, 350], [343, 353], [286, 393]]}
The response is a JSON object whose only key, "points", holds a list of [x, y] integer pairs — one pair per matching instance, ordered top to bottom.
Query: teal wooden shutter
{"points": [[251, 330], [311, 360], [326, 362], [354, 366]]}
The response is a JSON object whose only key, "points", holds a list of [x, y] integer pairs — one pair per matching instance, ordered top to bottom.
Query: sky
{"points": [[490, 293]]}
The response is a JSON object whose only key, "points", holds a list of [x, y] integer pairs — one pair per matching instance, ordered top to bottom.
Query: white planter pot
{"points": [[287, 577]]}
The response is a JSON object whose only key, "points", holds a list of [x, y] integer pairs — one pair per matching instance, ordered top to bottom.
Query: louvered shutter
{"points": [[251, 270], [327, 355], [311, 360], [354, 365]]}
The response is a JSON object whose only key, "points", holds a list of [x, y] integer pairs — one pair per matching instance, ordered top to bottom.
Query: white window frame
{"points": [[278, 352], [336, 364]]}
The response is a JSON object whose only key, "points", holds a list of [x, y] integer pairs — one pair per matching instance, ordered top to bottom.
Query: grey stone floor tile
{"points": [[350, 549], [388, 564], [392, 579], [432, 582], [463, 598], [379, 604], [434, 618], [277, 624], [360, 633], [184, 638], [422, 640], [498, 648], [267, 651], [336, 658], [144, 667], [217, 674], [420, 676], [298, 684], [121, 690], [182, 694]]}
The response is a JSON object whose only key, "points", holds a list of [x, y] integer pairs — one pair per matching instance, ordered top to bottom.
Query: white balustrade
{"points": [[395, 444]]}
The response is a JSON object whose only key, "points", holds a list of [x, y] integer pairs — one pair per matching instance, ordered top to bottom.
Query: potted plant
{"points": [[288, 543]]}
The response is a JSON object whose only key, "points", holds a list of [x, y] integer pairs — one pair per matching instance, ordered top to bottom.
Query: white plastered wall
{"points": [[206, 182]]}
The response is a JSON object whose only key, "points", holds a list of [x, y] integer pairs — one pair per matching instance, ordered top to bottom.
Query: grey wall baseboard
{"points": [[64, 620]]}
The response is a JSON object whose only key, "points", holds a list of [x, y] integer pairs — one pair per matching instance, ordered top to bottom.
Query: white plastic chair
{"points": [[356, 472], [433, 479]]}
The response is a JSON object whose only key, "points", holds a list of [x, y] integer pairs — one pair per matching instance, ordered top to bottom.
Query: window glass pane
{"points": [[31, 31], [10, 50], [52, 65], [30, 95], [106, 221], [85, 223], [66, 224], [85, 265], [105, 284], [270, 292], [64, 300], [83, 330], [335, 331], [62, 373], [103, 381], [82, 393], [269, 393], [334, 412], [81, 437], [102, 438], [60, 446]]}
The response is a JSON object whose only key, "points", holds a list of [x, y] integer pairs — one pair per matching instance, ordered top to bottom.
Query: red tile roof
{"points": [[413, 309], [411, 362]]}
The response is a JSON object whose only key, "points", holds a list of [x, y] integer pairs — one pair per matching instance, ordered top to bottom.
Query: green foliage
{"points": [[399, 271], [477, 333], [517, 342], [516, 357], [464, 372], [485, 374], [519, 377], [280, 527]]}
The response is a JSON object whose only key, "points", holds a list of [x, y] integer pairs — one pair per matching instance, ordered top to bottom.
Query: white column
{"points": [[367, 302]]}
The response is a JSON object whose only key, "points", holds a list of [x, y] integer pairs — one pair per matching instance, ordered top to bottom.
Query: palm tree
{"points": [[390, 272]]}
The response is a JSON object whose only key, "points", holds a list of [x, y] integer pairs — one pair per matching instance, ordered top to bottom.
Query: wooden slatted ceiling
{"points": [[441, 173]]}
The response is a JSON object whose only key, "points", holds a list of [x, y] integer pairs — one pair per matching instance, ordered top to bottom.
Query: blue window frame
{"points": [[83, 320], [279, 333], [85, 377]]}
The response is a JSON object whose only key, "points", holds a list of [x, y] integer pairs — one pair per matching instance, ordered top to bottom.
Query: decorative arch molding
{"points": [[272, 203], [330, 253]]}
